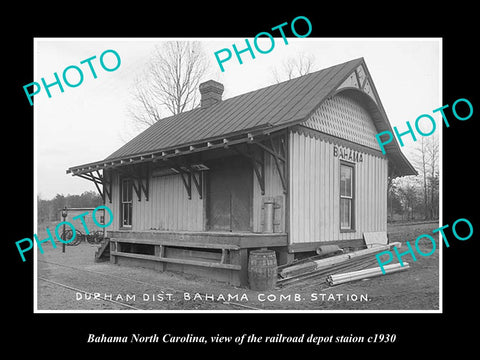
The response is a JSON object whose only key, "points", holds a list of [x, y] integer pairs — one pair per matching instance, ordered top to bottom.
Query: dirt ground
{"points": [[144, 289]]}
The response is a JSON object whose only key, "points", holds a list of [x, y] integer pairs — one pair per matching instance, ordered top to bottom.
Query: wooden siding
{"points": [[273, 188], [315, 190], [168, 207]]}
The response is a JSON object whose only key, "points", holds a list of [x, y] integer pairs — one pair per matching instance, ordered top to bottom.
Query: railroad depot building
{"points": [[288, 167]]}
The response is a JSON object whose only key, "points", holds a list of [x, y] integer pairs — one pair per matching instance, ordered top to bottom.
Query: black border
{"points": [[416, 333]]}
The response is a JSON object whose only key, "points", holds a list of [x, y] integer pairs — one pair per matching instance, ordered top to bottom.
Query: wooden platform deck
{"points": [[220, 256]]}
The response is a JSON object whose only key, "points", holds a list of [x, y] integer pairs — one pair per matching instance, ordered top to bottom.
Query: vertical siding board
{"points": [[295, 182], [171, 184], [298, 185], [293, 188], [378, 188], [308, 189], [313, 189], [325, 192], [384, 192], [374, 193], [378, 193], [309, 194], [368, 194], [181, 195], [381, 195], [361, 196], [329, 197], [154, 198], [322, 198], [335, 198], [168, 200], [171, 200], [318, 200], [300, 201], [357, 201], [116, 202], [177, 202], [181, 202], [161, 204], [256, 204], [115, 205], [138, 214], [183, 216], [371, 217], [316, 221]]}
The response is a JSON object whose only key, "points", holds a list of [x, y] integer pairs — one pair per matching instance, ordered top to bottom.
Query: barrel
{"points": [[262, 269]]}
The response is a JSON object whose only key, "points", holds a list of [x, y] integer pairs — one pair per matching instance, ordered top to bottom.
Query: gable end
{"points": [[344, 117]]}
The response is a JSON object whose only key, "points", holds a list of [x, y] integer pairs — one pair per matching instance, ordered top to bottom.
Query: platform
{"points": [[221, 256]]}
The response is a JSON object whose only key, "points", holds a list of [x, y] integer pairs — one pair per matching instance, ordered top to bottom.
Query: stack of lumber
{"points": [[323, 269], [337, 279]]}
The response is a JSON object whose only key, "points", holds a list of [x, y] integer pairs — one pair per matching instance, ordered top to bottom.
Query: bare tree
{"points": [[294, 67], [169, 83], [433, 154], [427, 155], [423, 164], [408, 191]]}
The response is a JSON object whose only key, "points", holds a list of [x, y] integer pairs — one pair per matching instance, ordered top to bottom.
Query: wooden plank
{"points": [[375, 238], [275, 240], [179, 244], [313, 246], [113, 249], [159, 252], [240, 258], [178, 261]]}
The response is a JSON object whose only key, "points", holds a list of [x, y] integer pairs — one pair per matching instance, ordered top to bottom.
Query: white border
{"points": [[35, 207]]}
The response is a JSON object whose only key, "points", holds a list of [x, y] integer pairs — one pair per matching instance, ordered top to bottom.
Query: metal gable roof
{"points": [[274, 105], [260, 111]]}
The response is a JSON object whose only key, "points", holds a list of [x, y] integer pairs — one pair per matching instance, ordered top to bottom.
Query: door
{"points": [[229, 195]]}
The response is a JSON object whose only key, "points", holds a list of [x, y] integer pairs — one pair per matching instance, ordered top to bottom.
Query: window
{"points": [[346, 197], [126, 202]]}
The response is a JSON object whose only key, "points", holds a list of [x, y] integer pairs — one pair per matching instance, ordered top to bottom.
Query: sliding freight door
{"points": [[229, 195]]}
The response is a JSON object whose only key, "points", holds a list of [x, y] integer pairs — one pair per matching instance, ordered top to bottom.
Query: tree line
{"points": [[417, 197], [50, 210]]}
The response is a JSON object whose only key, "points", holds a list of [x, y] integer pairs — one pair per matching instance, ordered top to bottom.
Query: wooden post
{"points": [[113, 248], [160, 252], [240, 257]]}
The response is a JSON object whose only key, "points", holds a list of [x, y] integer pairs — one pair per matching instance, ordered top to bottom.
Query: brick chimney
{"points": [[211, 92]]}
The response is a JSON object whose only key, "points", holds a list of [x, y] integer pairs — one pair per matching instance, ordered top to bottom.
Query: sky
{"points": [[89, 122]]}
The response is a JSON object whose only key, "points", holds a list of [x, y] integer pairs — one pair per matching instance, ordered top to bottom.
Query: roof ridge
{"points": [[298, 77], [230, 115]]}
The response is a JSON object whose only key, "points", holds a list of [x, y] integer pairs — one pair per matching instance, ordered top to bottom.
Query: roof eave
{"points": [[248, 135]]}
